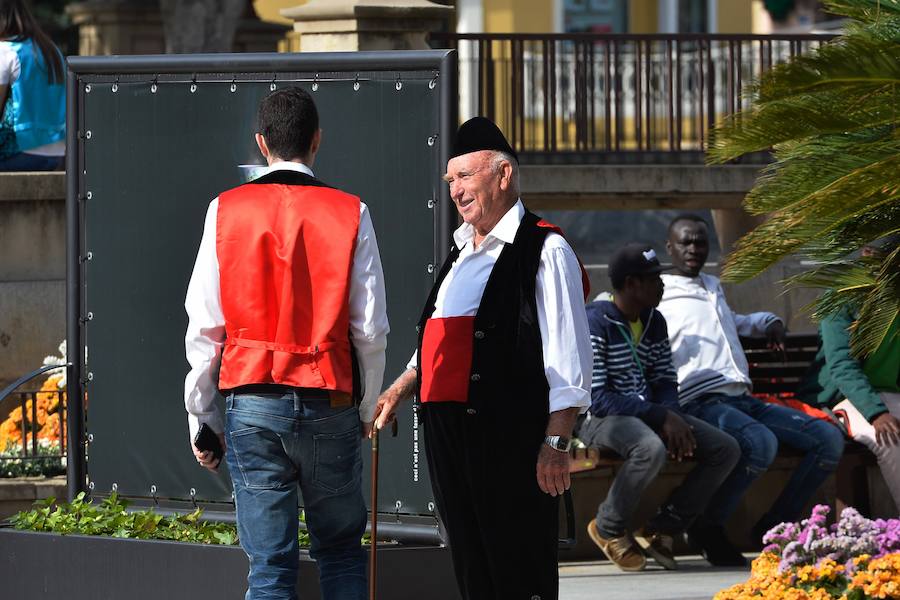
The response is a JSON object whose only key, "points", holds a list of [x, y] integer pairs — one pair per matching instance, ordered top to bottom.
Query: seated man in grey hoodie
{"points": [[635, 412]]}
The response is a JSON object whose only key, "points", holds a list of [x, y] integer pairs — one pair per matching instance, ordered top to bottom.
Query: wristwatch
{"points": [[558, 442]]}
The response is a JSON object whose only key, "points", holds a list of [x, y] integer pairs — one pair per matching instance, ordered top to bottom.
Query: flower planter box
{"points": [[56, 567]]}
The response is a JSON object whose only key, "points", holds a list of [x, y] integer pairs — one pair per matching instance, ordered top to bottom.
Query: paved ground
{"points": [[694, 580]]}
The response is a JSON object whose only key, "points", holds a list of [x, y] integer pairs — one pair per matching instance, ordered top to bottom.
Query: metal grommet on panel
{"points": [[356, 83], [433, 83], [193, 84], [315, 85], [398, 85], [115, 86], [153, 86], [273, 86], [233, 87], [87, 89], [87, 134], [432, 139], [89, 195], [430, 204], [429, 268], [475, 377], [471, 411], [90, 438], [91, 485], [115, 487], [153, 494], [431, 506]]}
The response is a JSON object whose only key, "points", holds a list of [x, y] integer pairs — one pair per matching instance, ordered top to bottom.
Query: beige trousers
{"points": [[863, 432]]}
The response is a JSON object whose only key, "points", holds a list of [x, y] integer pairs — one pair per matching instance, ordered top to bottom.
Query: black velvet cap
{"points": [[479, 133]]}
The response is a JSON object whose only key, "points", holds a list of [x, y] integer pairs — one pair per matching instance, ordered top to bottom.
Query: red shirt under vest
{"points": [[285, 254]]}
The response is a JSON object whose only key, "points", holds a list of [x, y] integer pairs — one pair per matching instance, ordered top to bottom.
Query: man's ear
{"points": [[316, 142], [261, 144], [505, 176], [669, 247]]}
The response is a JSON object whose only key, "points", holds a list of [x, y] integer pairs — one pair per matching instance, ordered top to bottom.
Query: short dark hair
{"points": [[288, 119], [685, 217]]}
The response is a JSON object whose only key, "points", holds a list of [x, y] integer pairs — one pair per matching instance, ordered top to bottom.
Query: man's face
{"points": [[478, 192], [688, 245], [646, 290]]}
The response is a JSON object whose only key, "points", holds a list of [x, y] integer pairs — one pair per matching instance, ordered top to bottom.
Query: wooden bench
{"points": [[772, 374]]}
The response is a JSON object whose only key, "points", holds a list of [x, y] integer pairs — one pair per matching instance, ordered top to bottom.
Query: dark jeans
{"points": [[31, 162], [759, 427], [275, 443], [645, 454]]}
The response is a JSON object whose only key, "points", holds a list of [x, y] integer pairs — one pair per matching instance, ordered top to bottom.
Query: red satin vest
{"points": [[285, 250]]}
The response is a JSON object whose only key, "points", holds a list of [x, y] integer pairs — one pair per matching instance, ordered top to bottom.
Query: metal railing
{"points": [[570, 95], [39, 447]]}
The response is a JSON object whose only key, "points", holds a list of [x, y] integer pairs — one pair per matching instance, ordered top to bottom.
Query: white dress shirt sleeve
{"points": [[368, 314], [205, 332], [565, 336]]}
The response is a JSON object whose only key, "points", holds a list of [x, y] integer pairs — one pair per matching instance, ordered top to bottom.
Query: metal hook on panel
{"points": [[194, 83], [356, 83], [433, 83], [233, 84], [115, 85], [153, 85], [315, 85], [398, 85], [273, 86], [87, 88], [432, 139], [90, 438], [91, 485], [115, 487], [193, 493], [153, 494], [397, 506], [431, 507]]}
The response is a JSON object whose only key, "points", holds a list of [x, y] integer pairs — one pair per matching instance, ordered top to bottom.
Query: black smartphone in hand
{"points": [[207, 440]]}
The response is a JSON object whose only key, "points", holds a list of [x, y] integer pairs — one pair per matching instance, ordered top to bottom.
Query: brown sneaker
{"points": [[657, 546], [620, 550]]}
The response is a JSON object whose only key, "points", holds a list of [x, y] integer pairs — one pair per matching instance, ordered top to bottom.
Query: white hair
{"points": [[497, 160]]}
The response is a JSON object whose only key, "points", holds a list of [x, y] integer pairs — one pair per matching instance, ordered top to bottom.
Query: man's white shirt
{"points": [[559, 296], [206, 322], [704, 336]]}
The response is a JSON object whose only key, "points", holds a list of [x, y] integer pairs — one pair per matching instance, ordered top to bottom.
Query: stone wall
{"points": [[32, 270]]}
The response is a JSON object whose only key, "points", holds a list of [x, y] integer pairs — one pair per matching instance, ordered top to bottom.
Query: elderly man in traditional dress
{"points": [[501, 371]]}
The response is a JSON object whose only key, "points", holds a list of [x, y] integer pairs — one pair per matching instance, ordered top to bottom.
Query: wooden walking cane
{"points": [[373, 541]]}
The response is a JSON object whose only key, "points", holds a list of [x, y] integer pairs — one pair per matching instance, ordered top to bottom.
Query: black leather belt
{"points": [[276, 388]]}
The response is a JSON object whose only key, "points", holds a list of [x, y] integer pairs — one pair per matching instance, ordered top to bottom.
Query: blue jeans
{"points": [[31, 162], [758, 428], [275, 443]]}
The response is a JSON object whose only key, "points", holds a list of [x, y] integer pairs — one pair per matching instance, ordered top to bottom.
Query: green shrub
{"points": [[111, 518]]}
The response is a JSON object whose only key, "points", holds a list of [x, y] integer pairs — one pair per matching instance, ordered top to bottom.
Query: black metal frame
{"points": [[239, 67]]}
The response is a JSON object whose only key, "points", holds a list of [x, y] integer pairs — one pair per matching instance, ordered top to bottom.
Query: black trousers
{"points": [[503, 530]]}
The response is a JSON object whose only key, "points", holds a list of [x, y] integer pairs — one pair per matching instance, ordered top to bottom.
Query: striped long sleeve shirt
{"points": [[631, 377]]}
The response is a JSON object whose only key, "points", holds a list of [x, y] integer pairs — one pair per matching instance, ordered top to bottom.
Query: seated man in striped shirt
{"points": [[634, 412]]}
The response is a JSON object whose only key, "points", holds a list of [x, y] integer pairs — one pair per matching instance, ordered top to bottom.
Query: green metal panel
{"points": [[156, 151]]}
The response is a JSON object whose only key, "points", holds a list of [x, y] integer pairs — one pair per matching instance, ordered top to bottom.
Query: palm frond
{"points": [[864, 10], [879, 309]]}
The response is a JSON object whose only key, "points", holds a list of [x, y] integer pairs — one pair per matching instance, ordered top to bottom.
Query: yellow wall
{"points": [[268, 9], [518, 16], [643, 16], [735, 16]]}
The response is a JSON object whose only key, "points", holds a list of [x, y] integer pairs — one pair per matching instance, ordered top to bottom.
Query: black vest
{"points": [[507, 357]]}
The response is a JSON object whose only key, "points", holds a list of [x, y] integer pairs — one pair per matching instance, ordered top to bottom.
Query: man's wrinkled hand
{"points": [[887, 429], [553, 471]]}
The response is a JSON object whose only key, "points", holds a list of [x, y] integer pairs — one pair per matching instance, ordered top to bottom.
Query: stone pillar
{"points": [[354, 25], [117, 27], [135, 27], [731, 224]]}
